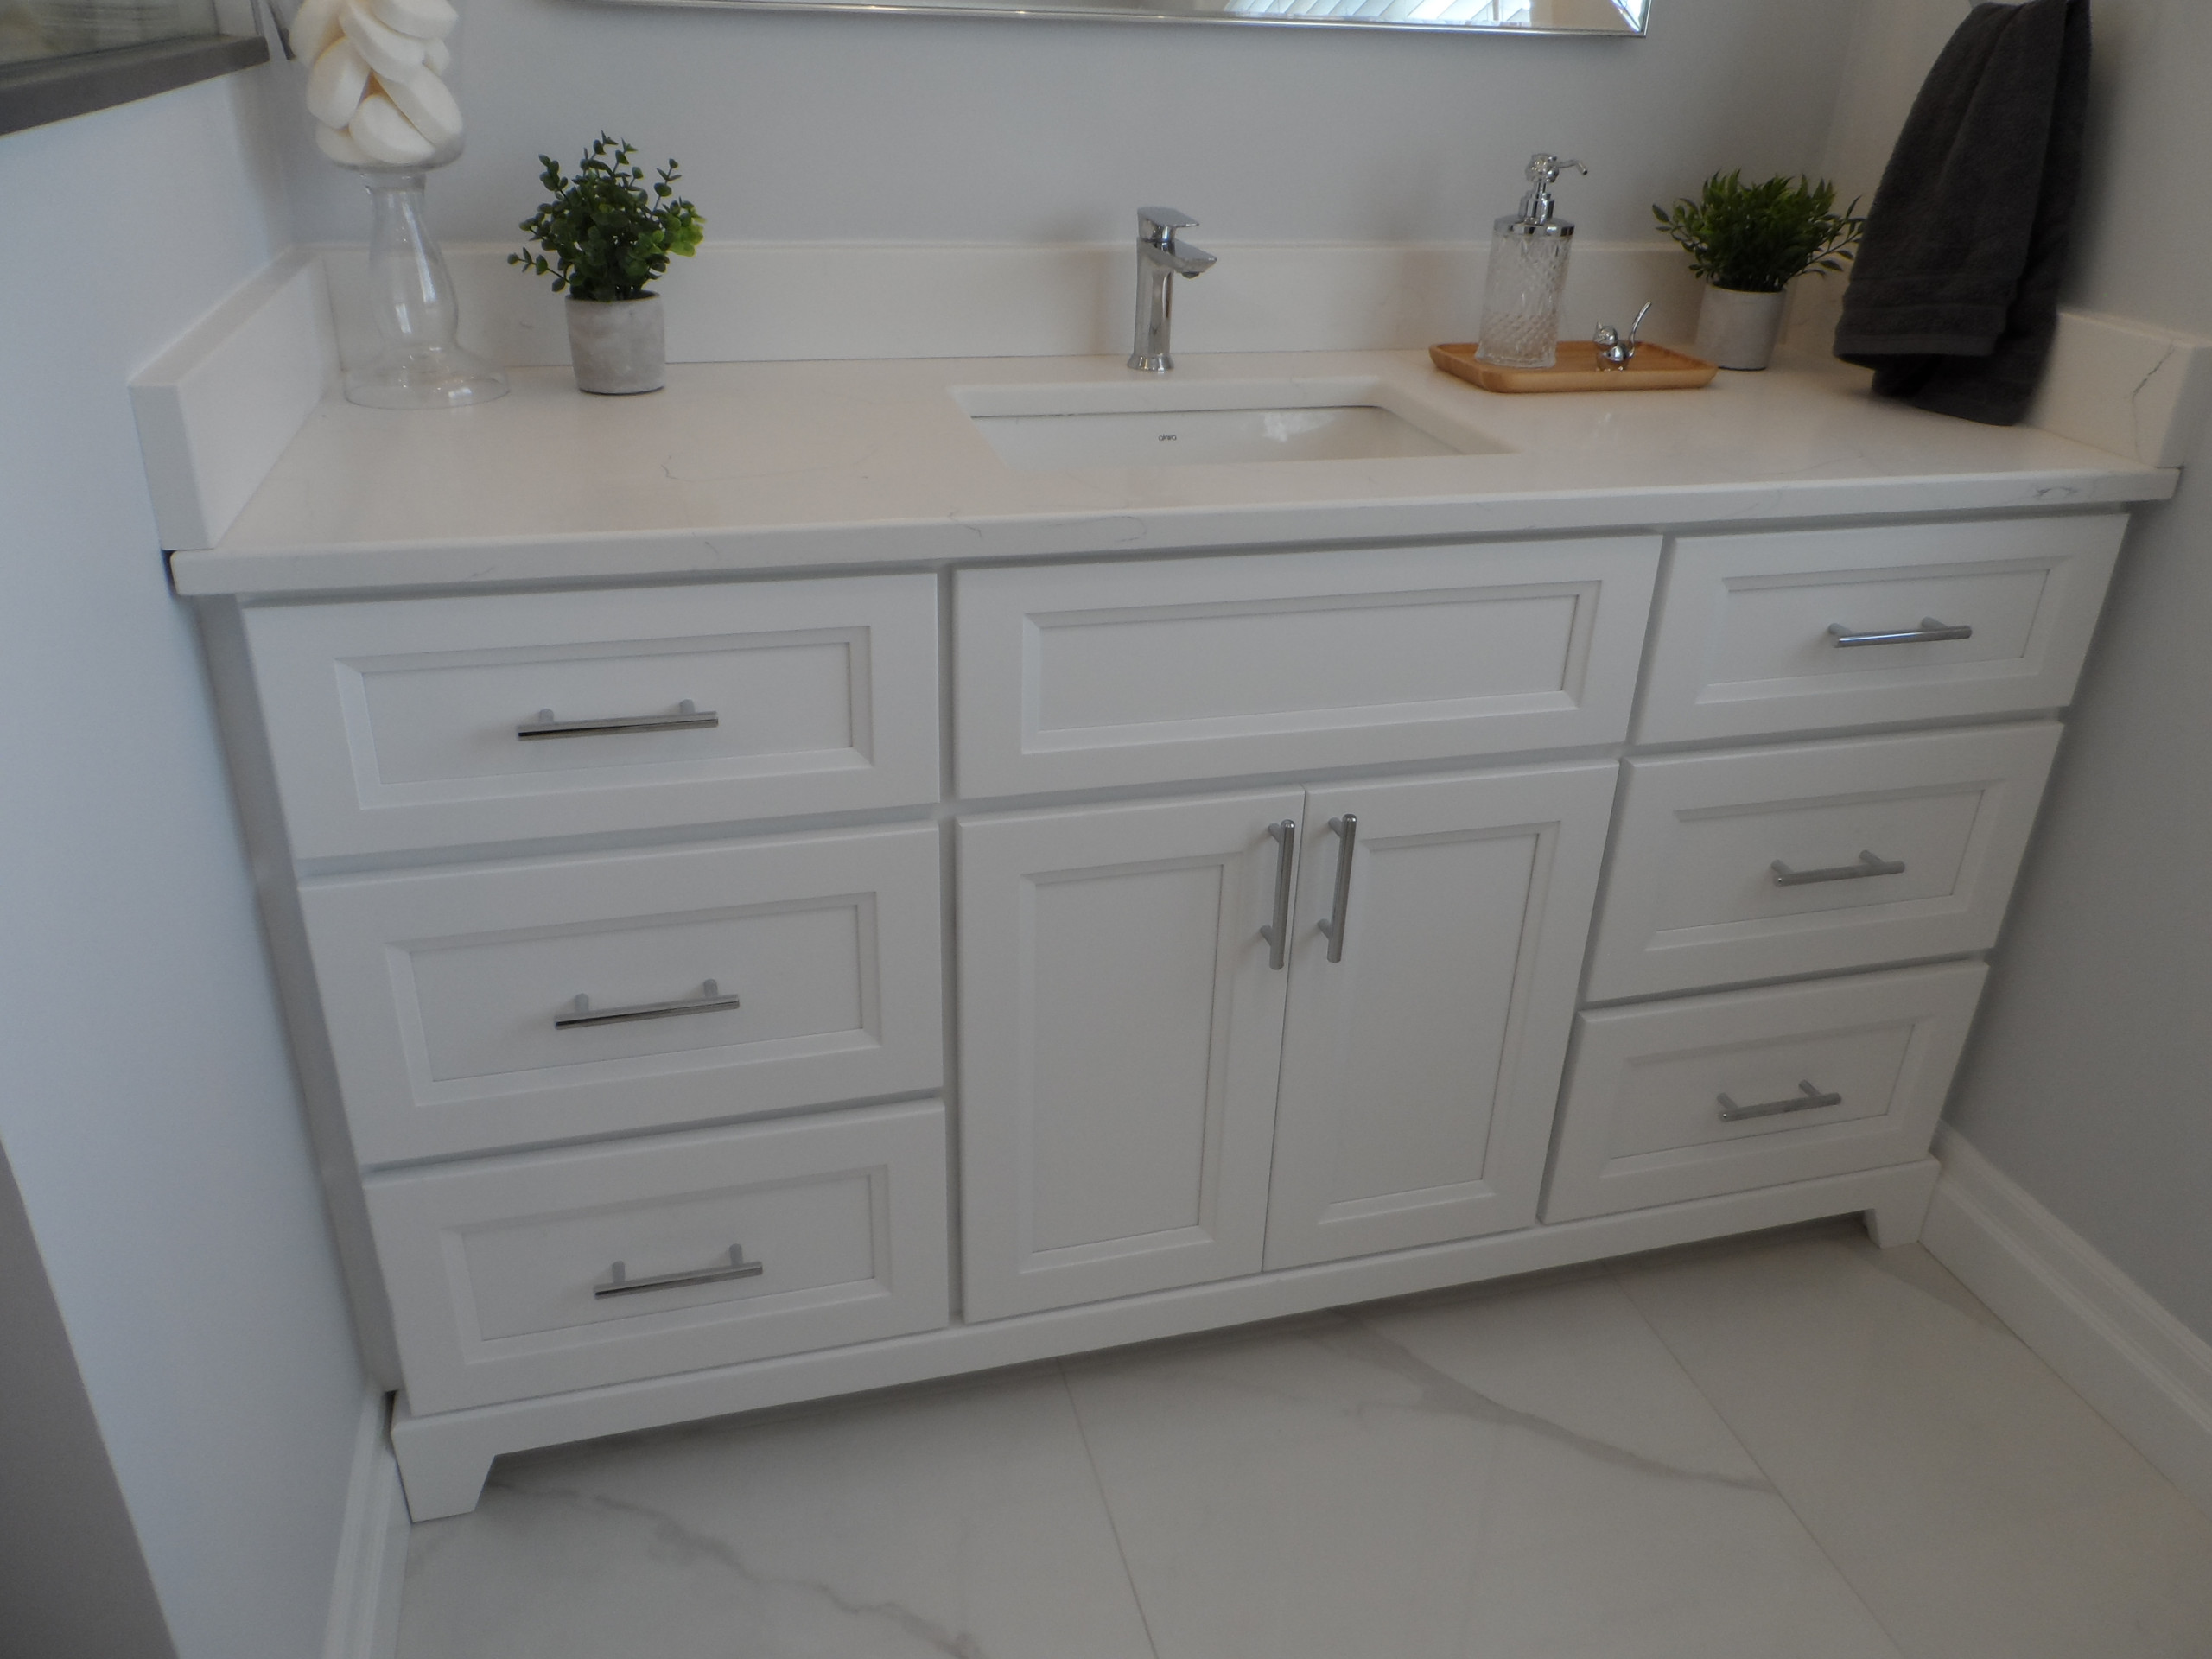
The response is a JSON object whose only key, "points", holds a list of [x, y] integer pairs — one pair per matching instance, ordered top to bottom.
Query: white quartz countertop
{"points": [[746, 466]]}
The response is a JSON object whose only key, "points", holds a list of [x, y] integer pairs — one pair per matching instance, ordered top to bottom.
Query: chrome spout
{"points": [[1159, 261]]}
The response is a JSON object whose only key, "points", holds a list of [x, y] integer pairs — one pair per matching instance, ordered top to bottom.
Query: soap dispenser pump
{"points": [[1528, 271]]}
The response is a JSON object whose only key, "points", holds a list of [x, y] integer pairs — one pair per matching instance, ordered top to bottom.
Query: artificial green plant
{"points": [[609, 230], [1756, 237]]}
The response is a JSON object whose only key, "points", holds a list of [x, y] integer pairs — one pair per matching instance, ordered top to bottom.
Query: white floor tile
{"points": [[1523, 1475], [1980, 1507], [962, 1522]]}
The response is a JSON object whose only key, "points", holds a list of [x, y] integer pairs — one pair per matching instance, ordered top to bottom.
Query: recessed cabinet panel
{"points": [[1756, 632], [1290, 660], [431, 723], [1768, 863], [452, 994], [1120, 1031], [1421, 1068], [1685, 1099], [533, 1274]]}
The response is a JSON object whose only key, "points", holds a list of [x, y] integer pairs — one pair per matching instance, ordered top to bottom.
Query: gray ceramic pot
{"points": [[1738, 330], [618, 345]]}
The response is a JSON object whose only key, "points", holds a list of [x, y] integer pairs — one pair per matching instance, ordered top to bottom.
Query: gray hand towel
{"points": [[1953, 299]]}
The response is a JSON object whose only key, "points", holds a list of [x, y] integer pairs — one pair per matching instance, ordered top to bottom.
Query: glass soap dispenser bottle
{"points": [[1527, 270]]}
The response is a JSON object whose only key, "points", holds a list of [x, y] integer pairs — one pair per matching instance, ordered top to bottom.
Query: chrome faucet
{"points": [[1160, 262]]}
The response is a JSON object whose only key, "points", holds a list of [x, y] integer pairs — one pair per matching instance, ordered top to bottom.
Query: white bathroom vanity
{"points": [[779, 895]]}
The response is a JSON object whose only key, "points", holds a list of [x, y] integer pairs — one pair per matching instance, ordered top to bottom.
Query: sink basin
{"points": [[1210, 424]]}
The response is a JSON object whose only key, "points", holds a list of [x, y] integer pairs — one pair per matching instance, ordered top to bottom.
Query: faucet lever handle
{"points": [[1160, 224]]}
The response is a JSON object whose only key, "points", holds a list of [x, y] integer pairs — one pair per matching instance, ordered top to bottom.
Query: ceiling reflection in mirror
{"points": [[1591, 17]]}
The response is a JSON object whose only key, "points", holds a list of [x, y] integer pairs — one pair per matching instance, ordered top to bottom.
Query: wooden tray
{"points": [[1654, 368]]}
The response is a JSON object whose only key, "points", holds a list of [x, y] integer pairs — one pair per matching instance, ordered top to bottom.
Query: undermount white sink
{"points": [[1055, 428]]}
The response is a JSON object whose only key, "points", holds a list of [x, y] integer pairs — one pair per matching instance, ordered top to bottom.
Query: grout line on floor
{"points": [[1766, 1474], [1113, 1522]]}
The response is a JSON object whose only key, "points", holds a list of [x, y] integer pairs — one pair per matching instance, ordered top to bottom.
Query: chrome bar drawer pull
{"points": [[1927, 634], [688, 717], [1347, 829], [1868, 864], [1277, 932], [581, 1012], [1806, 1099], [619, 1283]]}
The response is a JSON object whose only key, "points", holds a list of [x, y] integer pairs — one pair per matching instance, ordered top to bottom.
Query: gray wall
{"points": [[863, 129], [2090, 1081], [146, 1102], [72, 1578]]}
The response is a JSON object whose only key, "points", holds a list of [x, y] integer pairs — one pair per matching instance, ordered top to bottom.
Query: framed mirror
{"points": [[1596, 17]]}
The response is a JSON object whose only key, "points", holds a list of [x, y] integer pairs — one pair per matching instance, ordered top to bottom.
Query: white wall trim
{"points": [[793, 302], [2127, 387], [217, 406], [2147, 1373], [373, 1546]]}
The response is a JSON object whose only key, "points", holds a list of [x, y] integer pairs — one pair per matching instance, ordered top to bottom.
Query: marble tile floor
{"points": [[1791, 1446]]}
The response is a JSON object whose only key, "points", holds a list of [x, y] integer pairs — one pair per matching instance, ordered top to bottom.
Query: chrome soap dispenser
{"points": [[1528, 270]]}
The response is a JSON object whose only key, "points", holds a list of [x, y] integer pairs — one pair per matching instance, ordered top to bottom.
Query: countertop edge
{"points": [[650, 556]]}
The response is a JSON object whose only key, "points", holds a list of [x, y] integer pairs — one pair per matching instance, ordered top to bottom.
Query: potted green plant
{"points": [[607, 234], [1749, 242]]}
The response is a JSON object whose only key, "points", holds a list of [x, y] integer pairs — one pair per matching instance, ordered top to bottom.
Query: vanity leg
{"points": [[1895, 1218], [442, 1474]]}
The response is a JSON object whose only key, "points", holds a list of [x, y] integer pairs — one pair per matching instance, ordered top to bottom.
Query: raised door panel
{"points": [[1746, 642], [1281, 661], [410, 723], [1771, 863], [451, 994], [1120, 1030], [1420, 1068], [1699, 1095]]}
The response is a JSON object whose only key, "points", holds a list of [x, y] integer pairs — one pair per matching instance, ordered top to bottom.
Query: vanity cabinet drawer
{"points": [[1749, 639], [1076, 676], [434, 722], [1767, 863], [450, 996], [1672, 1101], [528, 1275]]}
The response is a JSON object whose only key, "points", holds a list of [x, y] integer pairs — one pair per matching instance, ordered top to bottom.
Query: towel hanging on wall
{"points": [[1953, 299]]}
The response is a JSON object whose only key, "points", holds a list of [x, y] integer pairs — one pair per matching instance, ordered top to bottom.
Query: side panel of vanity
{"points": [[1325, 925]]}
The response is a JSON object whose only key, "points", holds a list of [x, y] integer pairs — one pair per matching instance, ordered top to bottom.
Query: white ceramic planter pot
{"points": [[1738, 330], [618, 345]]}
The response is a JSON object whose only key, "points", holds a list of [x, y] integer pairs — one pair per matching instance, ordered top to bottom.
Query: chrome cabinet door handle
{"points": [[1927, 633], [688, 717], [1347, 829], [1868, 864], [1277, 932], [581, 1012], [1805, 1100], [618, 1282]]}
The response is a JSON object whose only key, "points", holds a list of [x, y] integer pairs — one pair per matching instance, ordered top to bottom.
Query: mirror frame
{"points": [[1196, 11]]}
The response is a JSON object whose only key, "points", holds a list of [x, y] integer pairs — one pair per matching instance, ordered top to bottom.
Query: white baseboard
{"points": [[2147, 1373], [372, 1548]]}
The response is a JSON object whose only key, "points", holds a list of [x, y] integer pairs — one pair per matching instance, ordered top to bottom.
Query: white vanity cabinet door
{"points": [[1743, 645], [1280, 662], [406, 723], [1692, 897], [442, 987], [1120, 1034], [1419, 1070], [1821, 1078], [496, 1267]]}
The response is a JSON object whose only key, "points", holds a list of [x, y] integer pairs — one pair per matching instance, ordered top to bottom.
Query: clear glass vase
{"points": [[419, 365]]}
